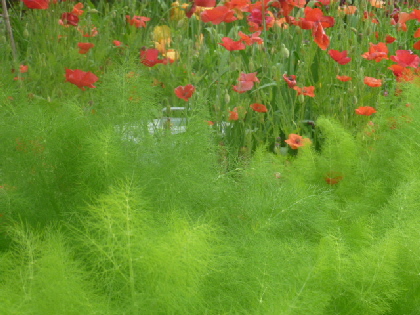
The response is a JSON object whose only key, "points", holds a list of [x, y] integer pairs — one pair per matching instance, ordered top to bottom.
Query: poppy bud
{"points": [[25, 33], [284, 52], [227, 97], [301, 98], [355, 100]]}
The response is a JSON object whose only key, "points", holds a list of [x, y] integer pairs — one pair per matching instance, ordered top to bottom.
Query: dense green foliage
{"points": [[102, 214]]}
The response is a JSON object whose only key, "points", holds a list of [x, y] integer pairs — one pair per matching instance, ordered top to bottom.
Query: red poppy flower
{"points": [[205, 3], [37, 4], [77, 9], [218, 15], [314, 17], [68, 18], [137, 21], [417, 33], [320, 37], [250, 39], [390, 39], [117, 43], [230, 44], [416, 45], [84, 47], [376, 52], [150, 57], [340, 57], [406, 58], [23, 68], [81, 78], [344, 78], [290, 80], [246, 82], [372, 82], [306, 90], [185, 92], [260, 108], [365, 110], [233, 115], [296, 141], [333, 178]]}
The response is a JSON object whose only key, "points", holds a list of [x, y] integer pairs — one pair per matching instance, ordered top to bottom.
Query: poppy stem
{"points": [[9, 28]]}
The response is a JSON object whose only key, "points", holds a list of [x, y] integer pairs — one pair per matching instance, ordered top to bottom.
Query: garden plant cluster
{"points": [[291, 188]]}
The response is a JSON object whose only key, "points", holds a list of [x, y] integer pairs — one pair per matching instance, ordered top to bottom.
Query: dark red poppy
{"points": [[205, 3], [37, 4], [68, 18], [390, 39], [230, 44], [340, 57], [81, 78], [185, 92]]}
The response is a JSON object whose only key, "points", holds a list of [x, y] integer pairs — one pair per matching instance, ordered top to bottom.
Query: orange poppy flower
{"points": [[36, 4], [348, 9], [218, 15], [137, 21], [417, 33], [320, 37], [230, 44], [416, 45], [84, 47], [376, 52], [340, 57], [406, 58], [81, 78], [344, 78], [372, 82], [306, 90], [185, 92], [260, 108], [365, 110], [233, 115], [296, 141]]}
